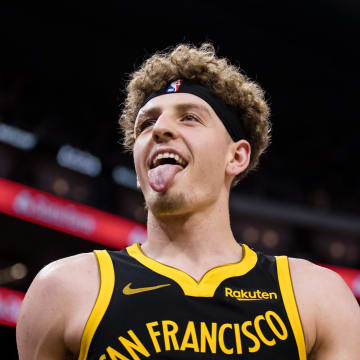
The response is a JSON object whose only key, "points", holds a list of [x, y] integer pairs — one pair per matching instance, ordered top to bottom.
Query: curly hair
{"points": [[225, 80]]}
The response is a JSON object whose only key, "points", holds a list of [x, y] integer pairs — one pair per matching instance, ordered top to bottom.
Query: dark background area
{"points": [[63, 68]]}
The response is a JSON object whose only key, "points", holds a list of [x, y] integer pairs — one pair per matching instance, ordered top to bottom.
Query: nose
{"points": [[164, 129]]}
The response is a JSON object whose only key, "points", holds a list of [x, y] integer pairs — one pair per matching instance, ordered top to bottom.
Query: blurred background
{"points": [[66, 186]]}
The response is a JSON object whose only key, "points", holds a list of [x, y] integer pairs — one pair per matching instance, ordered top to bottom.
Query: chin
{"points": [[165, 204]]}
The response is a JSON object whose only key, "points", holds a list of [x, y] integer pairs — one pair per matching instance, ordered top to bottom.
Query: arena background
{"points": [[67, 187]]}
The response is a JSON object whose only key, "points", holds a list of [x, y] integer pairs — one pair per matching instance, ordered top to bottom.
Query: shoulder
{"points": [[63, 273], [62, 279], [314, 279], [318, 283], [53, 302], [328, 309]]}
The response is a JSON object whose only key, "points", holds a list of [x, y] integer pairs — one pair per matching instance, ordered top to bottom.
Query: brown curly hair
{"points": [[201, 64]]}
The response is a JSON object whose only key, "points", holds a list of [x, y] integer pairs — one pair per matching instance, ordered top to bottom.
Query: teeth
{"points": [[169, 155]]}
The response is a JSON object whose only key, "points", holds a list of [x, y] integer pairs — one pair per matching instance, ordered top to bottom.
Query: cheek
{"points": [[137, 160], [212, 162]]}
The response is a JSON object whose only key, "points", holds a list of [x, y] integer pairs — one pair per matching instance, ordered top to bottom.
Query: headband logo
{"points": [[174, 86]]}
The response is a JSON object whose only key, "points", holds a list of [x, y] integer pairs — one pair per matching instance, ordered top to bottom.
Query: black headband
{"points": [[229, 115]]}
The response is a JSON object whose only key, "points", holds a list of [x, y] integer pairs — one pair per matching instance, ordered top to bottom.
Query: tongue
{"points": [[161, 177]]}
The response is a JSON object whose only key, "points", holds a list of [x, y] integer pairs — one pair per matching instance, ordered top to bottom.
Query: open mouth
{"points": [[168, 159], [163, 169]]}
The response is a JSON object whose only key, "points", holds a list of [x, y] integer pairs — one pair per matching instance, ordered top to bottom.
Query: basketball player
{"points": [[196, 125]]}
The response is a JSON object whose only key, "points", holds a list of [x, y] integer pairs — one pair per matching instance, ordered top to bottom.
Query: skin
{"points": [[184, 227]]}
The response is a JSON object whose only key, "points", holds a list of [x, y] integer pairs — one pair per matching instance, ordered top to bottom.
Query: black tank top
{"points": [[148, 310]]}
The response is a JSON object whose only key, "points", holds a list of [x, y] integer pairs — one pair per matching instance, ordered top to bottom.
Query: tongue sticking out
{"points": [[161, 177]]}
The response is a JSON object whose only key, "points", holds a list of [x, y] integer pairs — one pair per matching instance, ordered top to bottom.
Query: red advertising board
{"points": [[67, 216], [10, 303]]}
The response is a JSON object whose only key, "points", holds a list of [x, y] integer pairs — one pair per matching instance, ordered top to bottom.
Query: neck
{"points": [[200, 241]]}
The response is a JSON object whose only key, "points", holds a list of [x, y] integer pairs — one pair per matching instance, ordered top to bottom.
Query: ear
{"points": [[239, 158]]}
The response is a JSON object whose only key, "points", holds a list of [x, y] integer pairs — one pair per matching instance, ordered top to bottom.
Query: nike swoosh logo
{"points": [[127, 290]]}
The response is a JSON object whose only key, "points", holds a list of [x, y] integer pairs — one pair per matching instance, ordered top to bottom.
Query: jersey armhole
{"points": [[107, 282], [287, 293]]}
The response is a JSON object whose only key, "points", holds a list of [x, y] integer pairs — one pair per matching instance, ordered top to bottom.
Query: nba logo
{"points": [[174, 86]]}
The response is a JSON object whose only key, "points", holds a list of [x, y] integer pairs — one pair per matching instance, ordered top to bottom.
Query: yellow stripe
{"points": [[107, 282], [208, 284], [291, 308]]}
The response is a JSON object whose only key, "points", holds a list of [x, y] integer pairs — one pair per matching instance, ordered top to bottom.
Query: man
{"points": [[196, 125]]}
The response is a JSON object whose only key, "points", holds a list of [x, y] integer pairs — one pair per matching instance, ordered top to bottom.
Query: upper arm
{"points": [[56, 307], [329, 312], [338, 320], [40, 326]]}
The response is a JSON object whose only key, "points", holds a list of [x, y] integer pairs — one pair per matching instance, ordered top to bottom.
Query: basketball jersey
{"points": [[148, 310]]}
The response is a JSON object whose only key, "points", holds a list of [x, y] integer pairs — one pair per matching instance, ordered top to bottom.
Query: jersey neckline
{"points": [[209, 282]]}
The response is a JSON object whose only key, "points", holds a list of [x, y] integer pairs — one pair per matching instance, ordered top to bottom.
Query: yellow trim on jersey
{"points": [[107, 282], [208, 284], [291, 308]]}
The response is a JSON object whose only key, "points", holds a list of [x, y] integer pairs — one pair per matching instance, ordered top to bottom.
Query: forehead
{"points": [[177, 101]]}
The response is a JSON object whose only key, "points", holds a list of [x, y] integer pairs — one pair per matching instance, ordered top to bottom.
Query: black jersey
{"points": [[148, 310]]}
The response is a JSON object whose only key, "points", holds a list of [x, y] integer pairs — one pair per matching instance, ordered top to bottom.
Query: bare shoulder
{"points": [[63, 274], [314, 281], [58, 282], [319, 284], [55, 307], [329, 311]]}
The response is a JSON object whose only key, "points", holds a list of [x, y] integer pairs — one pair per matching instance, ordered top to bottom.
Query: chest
{"points": [[159, 315], [239, 319]]}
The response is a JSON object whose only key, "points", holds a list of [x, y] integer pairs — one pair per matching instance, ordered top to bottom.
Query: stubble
{"points": [[163, 204]]}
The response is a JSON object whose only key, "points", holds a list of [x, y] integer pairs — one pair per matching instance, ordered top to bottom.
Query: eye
{"points": [[190, 117], [145, 124]]}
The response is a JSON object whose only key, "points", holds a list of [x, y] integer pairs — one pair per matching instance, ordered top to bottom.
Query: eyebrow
{"points": [[187, 106], [178, 107]]}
